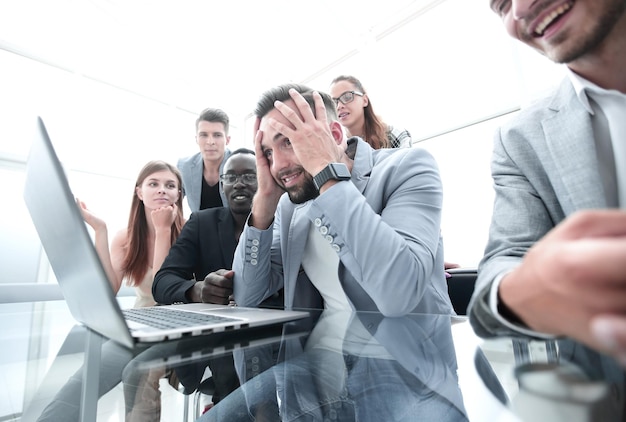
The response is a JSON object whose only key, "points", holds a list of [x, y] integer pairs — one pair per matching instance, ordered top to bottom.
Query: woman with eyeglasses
{"points": [[357, 115]]}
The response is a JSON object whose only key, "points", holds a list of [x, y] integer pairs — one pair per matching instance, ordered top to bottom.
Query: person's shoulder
{"points": [[542, 106], [403, 159], [184, 161], [210, 213], [120, 238]]}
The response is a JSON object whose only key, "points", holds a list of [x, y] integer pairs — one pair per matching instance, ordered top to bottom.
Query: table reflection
{"points": [[352, 366], [557, 380]]}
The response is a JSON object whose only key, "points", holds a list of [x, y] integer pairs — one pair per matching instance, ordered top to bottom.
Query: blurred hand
{"points": [[573, 281]]}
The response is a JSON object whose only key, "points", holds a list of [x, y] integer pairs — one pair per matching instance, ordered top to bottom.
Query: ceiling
{"points": [[191, 54]]}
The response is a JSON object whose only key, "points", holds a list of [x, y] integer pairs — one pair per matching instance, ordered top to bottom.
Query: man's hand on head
{"points": [[310, 134], [268, 192]]}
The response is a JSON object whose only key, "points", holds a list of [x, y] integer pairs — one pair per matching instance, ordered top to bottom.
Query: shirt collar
{"points": [[581, 86]]}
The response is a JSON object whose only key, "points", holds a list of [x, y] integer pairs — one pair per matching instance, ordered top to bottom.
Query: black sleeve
{"points": [[176, 275]]}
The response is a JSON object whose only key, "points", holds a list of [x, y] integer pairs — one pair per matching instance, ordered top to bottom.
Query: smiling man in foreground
{"points": [[555, 263]]}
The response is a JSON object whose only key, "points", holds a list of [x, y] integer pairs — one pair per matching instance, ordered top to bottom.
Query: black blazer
{"points": [[206, 243]]}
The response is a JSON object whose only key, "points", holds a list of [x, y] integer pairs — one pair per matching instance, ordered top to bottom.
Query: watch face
{"points": [[341, 170]]}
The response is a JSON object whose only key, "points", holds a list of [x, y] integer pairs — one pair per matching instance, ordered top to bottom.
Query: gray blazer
{"points": [[544, 168], [191, 169], [384, 226]]}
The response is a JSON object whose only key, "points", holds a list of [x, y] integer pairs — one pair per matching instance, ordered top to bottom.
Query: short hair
{"points": [[265, 104], [214, 115], [239, 151]]}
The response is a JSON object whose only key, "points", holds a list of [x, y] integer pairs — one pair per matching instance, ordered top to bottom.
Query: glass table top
{"points": [[331, 366]]}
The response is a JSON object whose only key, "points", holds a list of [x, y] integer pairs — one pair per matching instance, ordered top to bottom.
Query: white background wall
{"points": [[447, 72], [444, 76]]}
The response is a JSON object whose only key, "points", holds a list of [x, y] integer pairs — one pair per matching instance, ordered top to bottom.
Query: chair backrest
{"points": [[460, 287]]}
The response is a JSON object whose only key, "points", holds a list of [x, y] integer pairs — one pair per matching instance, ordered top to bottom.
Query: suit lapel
{"points": [[572, 153], [196, 177], [293, 241]]}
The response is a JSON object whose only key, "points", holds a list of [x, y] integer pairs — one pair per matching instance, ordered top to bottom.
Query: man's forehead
{"points": [[206, 126], [240, 160]]}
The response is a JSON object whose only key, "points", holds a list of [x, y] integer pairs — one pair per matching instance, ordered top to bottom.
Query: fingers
{"points": [[320, 108], [306, 111], [302, 114], [257, 125], [258, 147], [596, 223], [450, 265], [218, 287], [610, 332]]}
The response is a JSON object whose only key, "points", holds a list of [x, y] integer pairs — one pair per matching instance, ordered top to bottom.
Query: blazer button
{"points": [[317, 222], [324, 230], [255, 242], [336, 247], [253, 261]]}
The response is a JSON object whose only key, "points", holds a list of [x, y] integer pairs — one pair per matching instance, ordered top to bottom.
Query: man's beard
{"points": [[591, 40], [301, 194]]}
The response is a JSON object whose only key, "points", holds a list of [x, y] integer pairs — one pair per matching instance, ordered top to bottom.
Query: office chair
{"points": [[460, 287], [206, 387]]}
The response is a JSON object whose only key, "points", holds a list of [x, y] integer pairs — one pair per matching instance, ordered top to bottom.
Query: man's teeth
{"points": [[551, 17]]}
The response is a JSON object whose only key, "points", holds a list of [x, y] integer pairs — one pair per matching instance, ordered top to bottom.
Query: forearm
{"points": [[263, 210], [396, 241], [101, 243], [162, 245], [256, 278], [169, 287]]}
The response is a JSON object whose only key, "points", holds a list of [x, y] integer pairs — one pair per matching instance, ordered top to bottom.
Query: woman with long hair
{"points": [[357, 116], [154, 223], [136, 254]]}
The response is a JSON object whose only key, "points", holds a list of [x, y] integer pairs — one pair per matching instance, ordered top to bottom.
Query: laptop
{"points": [[84, 283]]}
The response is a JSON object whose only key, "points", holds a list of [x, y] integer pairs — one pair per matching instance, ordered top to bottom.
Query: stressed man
{"points": [[358, 228]]}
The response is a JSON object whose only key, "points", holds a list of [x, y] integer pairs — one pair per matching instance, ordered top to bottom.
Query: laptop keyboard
{"points": [[171, 318]]}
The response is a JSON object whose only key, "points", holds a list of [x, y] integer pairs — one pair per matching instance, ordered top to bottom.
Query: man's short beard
{"points": [[592, 40], [301, 194]]}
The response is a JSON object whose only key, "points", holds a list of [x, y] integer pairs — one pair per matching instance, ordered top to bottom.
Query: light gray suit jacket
{"points": [[544, 168], [191, 169], [384, 225]]}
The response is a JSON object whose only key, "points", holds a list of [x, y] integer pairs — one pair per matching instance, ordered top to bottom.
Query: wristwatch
{"points": [[333, 171]]}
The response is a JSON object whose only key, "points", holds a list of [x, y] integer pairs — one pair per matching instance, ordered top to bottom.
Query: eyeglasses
{"points": [[347, 97], [231, 178]]}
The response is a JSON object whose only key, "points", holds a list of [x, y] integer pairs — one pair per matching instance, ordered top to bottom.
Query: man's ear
{"points": [[337, 131]]}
